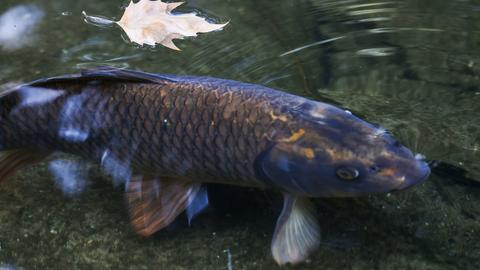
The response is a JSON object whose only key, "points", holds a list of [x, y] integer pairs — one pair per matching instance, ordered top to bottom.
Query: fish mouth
{"points": [[407, 182]]}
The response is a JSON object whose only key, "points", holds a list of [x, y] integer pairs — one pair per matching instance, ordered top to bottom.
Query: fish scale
{"points": [[180, 134], [204, 136]]}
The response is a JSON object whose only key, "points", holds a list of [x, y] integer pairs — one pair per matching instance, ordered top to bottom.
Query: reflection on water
{"points": [[17, 26], [411, 66], [35, 96], [116, 167], [70, 176]]}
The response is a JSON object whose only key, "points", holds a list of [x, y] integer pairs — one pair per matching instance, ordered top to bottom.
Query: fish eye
{"points": [[347, 173]]}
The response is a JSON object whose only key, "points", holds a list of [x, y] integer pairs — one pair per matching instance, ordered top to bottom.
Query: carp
{"points": [[162, 136]]}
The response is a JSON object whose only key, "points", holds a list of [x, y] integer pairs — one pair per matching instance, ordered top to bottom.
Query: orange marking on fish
{"points": [[282, 118], [295, 136], [308, 153], [339, 155], [388, 172]]}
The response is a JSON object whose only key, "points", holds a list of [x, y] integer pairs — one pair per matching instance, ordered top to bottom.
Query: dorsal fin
{"points": [[110, 74], [128, 75]]}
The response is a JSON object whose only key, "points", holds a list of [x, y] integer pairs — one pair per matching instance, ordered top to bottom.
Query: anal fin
{"points": [[13, 160], [154, 203], [297, 232]]}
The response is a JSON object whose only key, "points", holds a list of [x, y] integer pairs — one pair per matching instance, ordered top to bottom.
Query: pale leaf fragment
{"points": [[150, 22]]}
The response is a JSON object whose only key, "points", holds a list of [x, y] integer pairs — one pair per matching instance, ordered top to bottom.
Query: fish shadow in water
{"points": [[231, 208], [346, 224]]}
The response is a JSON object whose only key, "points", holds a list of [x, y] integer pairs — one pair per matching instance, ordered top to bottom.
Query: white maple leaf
{"points": [[151, 22]]}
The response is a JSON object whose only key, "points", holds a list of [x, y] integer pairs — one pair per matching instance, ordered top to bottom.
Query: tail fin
{"points": [[12, 160]]}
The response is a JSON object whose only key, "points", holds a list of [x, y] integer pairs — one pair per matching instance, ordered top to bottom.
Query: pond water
{"points": [[412, 66]]}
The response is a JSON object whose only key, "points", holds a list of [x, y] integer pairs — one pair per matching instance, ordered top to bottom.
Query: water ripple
{"points": [[369, 5], [371, 11], [380, 30], [312, 45], [377, 52]]}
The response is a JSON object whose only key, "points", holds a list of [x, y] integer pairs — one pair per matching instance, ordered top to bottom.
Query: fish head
{"points": [[329, 152]]}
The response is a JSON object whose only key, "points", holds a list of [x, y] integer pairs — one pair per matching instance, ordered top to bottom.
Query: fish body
{"points": [[200, 129], [164, 135]]}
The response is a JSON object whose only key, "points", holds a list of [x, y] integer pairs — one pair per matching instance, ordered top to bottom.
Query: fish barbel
{"points": [[164, 135]]}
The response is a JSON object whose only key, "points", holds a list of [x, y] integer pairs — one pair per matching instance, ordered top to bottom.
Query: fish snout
{"points": [[420, 173]]}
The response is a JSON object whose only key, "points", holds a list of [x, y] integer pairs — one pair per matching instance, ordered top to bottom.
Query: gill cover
{"points": [[291, 164]]}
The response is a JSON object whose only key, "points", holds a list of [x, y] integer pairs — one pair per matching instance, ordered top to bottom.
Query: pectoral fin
{"points": [[13, 160], [154, 203], [297, 233]]}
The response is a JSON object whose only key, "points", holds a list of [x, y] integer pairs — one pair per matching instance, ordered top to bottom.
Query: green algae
{"points": [[427, 227]]}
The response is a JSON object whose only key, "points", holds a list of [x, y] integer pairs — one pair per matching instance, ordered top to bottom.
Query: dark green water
{"points": [[412, 66]]}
